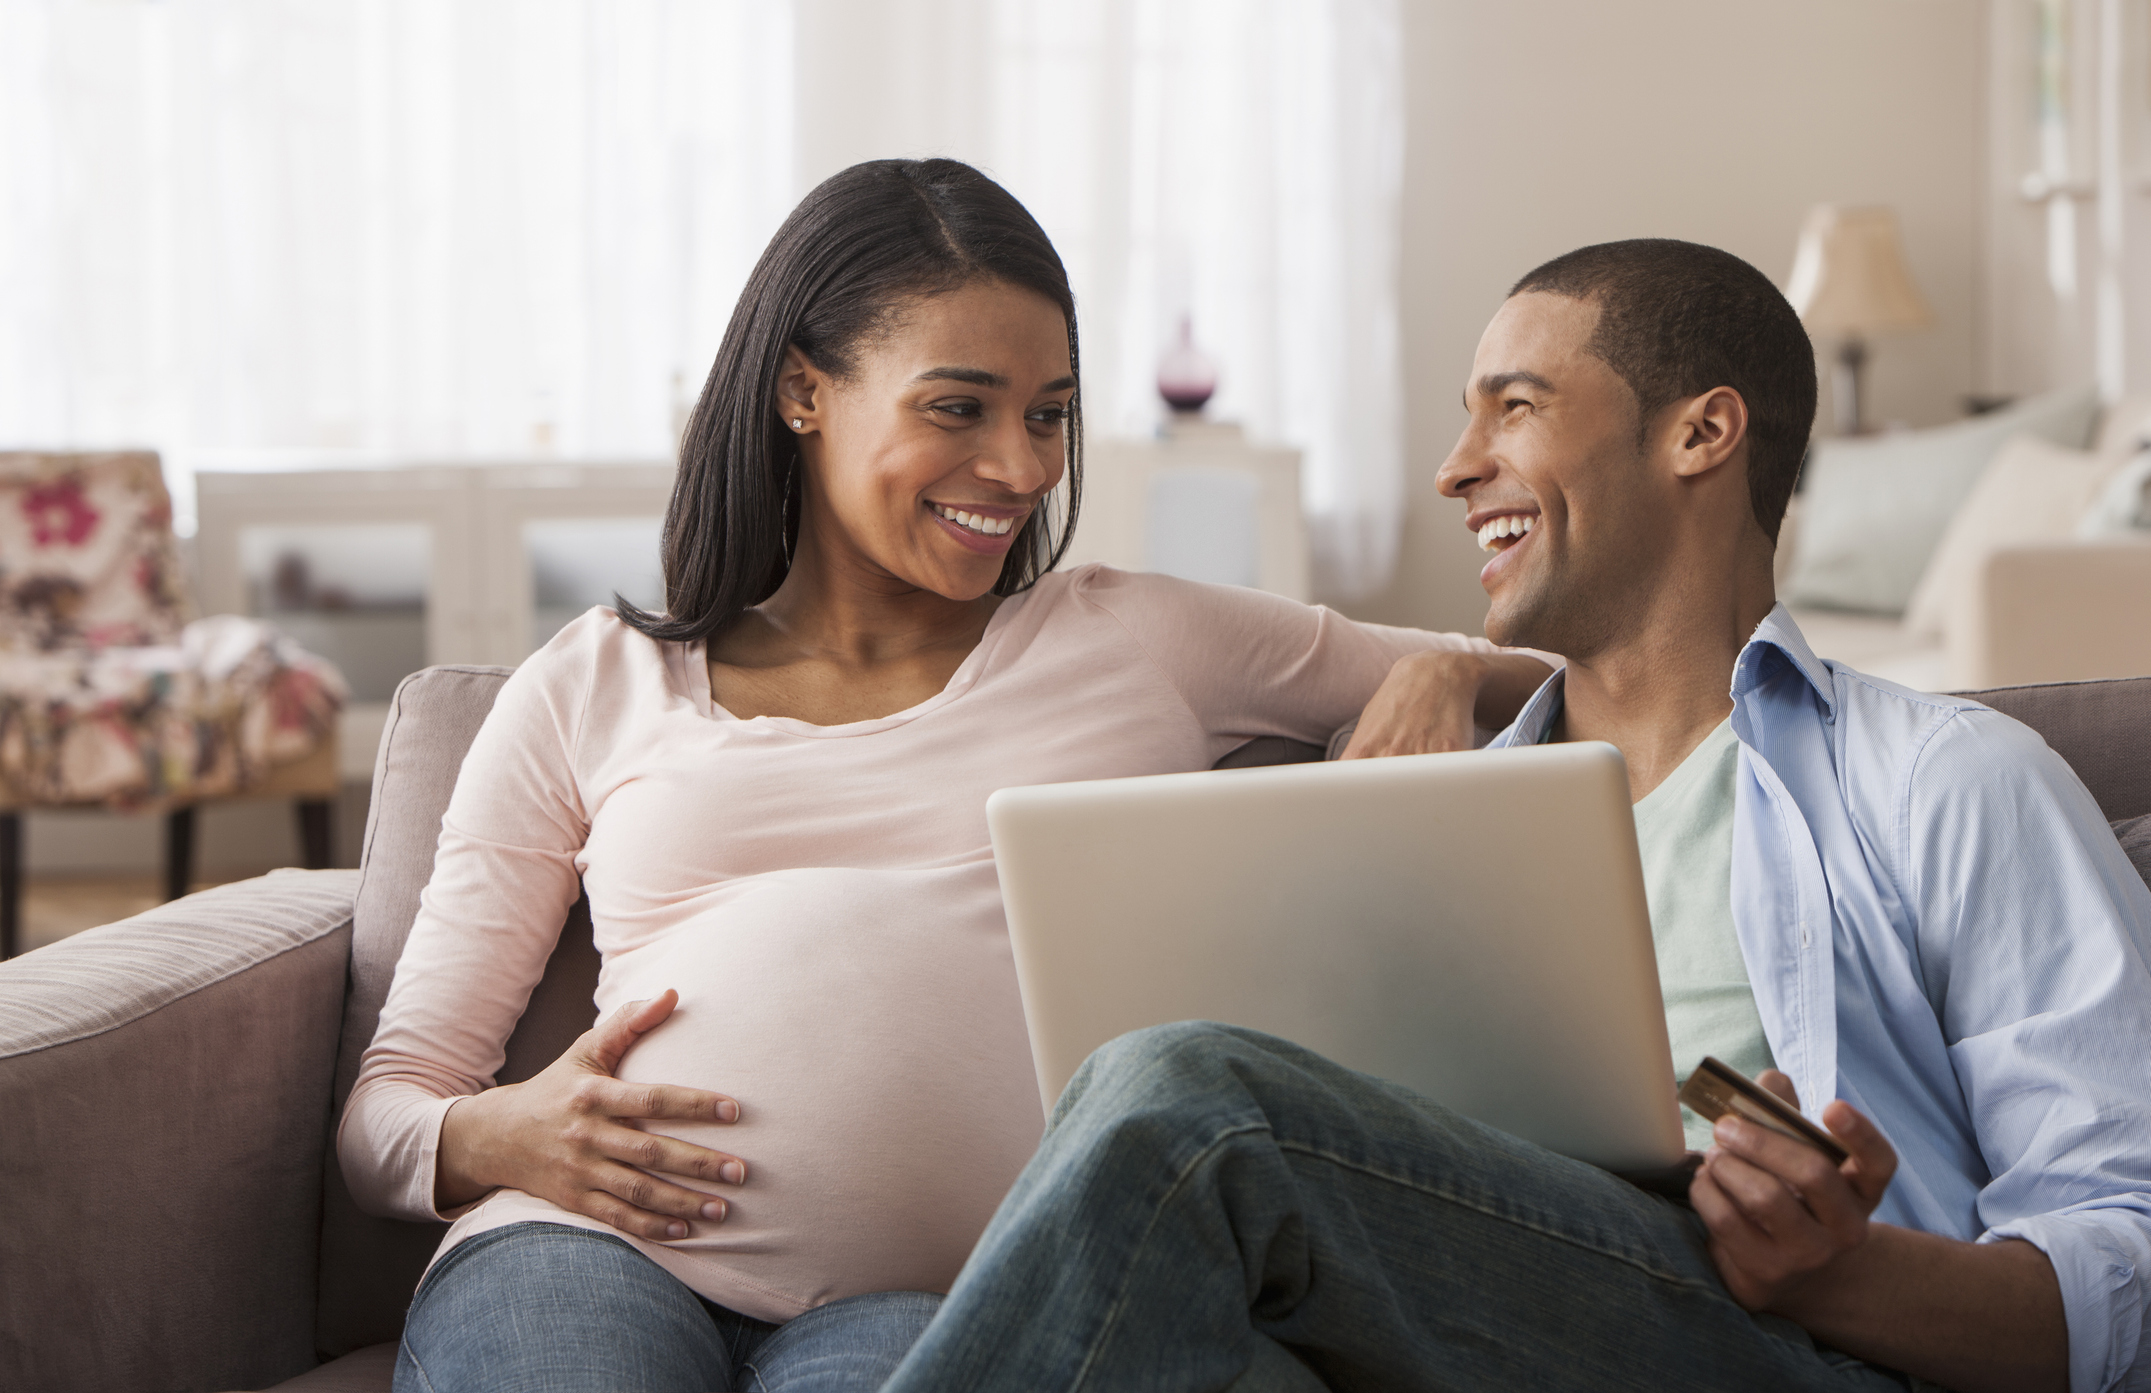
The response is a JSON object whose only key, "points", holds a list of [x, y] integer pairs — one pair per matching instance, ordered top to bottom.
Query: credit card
{"points": [[1716, 1088]]}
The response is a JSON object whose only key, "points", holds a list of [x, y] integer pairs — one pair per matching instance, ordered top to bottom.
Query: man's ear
{"points": [[801, 389], [1706, 431]]}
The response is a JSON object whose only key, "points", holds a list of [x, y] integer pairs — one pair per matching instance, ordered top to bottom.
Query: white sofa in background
{"points": [[2059, 610]]}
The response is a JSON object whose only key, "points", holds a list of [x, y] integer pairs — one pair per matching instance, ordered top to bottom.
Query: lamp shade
{"points": [[1849, 274]]}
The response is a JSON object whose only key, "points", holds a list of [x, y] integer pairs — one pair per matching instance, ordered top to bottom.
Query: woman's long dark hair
{"points": [[857, 247]]}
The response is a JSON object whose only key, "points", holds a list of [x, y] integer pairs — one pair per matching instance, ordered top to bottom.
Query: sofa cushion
{"points": [[2033, 491], [2122, 506], [1872, 508], [2098, 727], [1266, 750], [2134, 834], [163, 1108], [368, 1370]]}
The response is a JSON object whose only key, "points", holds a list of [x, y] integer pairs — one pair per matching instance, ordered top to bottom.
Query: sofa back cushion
{"points": [[2102, 728], [2134, 834]]}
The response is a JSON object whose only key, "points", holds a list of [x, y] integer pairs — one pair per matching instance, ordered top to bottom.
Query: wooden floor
{"points": [[55, 906]]}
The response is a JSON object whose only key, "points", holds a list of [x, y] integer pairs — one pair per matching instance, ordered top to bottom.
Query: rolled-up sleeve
{"points": [[2035, 936], [2097, 1251]]}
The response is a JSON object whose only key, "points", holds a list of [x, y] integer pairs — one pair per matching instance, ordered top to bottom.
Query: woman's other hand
{"points": [[1431, 701], [567, 1136]]}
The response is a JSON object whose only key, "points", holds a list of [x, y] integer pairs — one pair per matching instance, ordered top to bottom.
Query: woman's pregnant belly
{"points": [[869, 1024]]}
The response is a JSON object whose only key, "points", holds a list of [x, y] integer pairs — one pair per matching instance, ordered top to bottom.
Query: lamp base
{"points": [[1850, 384]]}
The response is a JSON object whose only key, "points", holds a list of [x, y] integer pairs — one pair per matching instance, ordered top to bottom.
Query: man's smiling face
{"points": [[1553, 470]]}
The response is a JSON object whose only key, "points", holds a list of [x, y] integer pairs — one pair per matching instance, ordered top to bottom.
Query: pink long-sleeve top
{"points": [[824, 900]]}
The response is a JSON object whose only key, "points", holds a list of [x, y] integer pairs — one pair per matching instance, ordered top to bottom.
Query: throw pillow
{"points": [[2125, 426], [2032, 491], [2123, 507], [1873, 509], [2134, 834]]}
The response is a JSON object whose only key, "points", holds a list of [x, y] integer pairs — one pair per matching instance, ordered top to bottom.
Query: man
{"points": [[1905, 902]]}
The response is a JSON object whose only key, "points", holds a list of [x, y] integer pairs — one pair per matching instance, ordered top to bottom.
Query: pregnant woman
{"points": [[811, 1084]]}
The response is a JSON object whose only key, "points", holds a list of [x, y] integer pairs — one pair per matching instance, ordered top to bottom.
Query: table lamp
{"points": [[1849, 283]]}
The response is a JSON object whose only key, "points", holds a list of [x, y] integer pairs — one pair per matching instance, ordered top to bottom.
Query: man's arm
{"points": [[2033, 933], [1790, 1235], [1969, 1316]]}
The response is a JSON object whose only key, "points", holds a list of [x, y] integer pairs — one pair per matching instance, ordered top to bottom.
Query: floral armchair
{"points": [[112, 695]]}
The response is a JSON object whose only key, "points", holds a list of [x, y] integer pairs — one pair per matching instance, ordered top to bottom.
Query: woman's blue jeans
{"points": [[1216, 1209], [545, 1308]]}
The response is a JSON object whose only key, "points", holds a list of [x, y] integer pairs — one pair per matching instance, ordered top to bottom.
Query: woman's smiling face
{"points": [[924, 464]]}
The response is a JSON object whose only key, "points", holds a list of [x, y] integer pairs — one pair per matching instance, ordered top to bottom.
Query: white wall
{"points": [[1538, 128]]}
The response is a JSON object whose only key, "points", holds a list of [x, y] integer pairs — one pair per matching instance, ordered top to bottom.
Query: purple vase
{"points": [[1186, 376]]}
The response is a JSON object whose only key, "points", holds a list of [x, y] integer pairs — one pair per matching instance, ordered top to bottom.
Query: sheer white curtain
{"points": [[1239, 161], [1242, 163], [511, 226], [481, 227]]}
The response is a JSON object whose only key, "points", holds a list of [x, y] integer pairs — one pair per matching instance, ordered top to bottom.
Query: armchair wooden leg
{"points": [[314, 828], [178, 852], [10, 884]]}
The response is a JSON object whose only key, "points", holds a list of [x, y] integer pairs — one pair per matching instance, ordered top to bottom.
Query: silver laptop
{"points": [[1470, 925]]}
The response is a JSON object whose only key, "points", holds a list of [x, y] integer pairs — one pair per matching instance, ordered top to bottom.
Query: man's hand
{"points": [[1430, 702], [1778, 1212], [1790, 1235]]}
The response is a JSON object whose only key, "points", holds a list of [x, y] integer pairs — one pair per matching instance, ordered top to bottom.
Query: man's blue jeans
{"points": [[1213, 1208], [545, 1308]]}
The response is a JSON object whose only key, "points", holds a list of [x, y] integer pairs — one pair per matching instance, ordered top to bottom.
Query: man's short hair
{"points": [[1676, 319]]}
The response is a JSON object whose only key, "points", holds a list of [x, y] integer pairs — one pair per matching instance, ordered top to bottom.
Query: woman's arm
{"points": [[1249, 664], [1431, 701], [504, 877]]}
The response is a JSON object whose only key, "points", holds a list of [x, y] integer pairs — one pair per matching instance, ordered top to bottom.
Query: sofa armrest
{"points": [[2055, 613], [164, 1104]]}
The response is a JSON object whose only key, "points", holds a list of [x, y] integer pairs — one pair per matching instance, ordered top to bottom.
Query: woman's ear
{"points": [[801, 388]]}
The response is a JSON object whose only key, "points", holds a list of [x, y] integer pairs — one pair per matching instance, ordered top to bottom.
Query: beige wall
{"points": [[1537, 128]]}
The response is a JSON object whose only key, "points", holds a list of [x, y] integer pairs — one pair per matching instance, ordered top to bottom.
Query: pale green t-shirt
{"points": [[1684, 828]]}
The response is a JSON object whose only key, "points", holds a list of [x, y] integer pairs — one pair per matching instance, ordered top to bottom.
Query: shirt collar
{"points": [[1776, 643], [1534, 723]]}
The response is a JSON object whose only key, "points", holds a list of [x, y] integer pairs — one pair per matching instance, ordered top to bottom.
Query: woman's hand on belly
{"points": [[568, 1136]]}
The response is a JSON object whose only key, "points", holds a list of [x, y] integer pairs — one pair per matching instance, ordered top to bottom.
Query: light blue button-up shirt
{"points": [[1941, 930]]}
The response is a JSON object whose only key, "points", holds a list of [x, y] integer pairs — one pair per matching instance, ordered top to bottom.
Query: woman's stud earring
{"points": [[798, 424]]}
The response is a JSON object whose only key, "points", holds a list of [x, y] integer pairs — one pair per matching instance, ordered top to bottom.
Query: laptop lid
{"points": [[1472, 926]]}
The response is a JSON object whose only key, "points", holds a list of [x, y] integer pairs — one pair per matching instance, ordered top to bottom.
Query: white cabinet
{"points": [[407, 565]]}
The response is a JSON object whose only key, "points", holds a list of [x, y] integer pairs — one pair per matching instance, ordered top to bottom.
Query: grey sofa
{"points": [[171, 1215]]}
